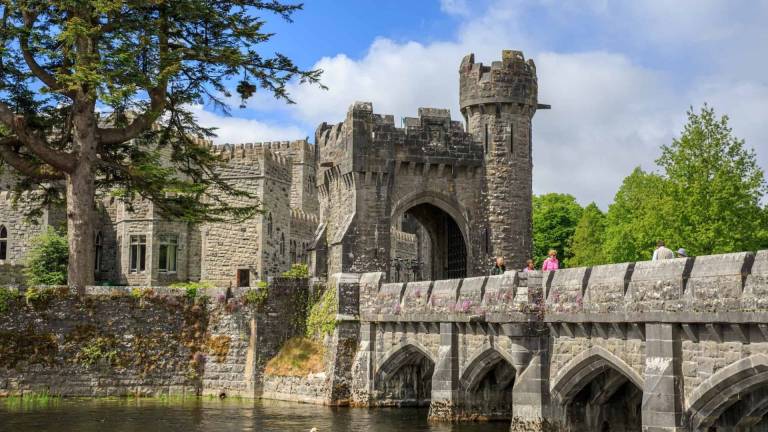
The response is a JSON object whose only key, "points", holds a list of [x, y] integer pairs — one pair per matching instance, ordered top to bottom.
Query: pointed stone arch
{"points": [[399, 355], [480, 365], [584, 367], [404, 377], [712, 397]]}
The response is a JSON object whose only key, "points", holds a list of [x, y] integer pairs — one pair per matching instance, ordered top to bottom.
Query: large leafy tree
{"points": [[67, 62], [715, 186], [638, 218], [554, 221], [588, 238]]}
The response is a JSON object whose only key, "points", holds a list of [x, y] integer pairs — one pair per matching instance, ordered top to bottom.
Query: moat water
{"points": [[136, 415]]}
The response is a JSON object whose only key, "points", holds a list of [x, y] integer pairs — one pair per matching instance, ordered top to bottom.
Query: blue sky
{"points": [[618, 74]]}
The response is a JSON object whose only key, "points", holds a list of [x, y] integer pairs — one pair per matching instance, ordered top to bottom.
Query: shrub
{"points": [[47, 259], [297, 271], [191, 288], [7, 296], [38, 297], [257, 297], [322, 316], [97, 349], [297, 357]]}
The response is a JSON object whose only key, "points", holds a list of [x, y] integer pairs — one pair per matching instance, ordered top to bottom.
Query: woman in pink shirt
{"points": [[551, 263]]}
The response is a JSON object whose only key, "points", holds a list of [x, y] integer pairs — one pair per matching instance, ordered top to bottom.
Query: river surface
{"points": [[149, 415]]}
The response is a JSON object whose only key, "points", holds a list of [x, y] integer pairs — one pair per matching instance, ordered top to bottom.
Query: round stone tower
{"points": [[498, 103]]}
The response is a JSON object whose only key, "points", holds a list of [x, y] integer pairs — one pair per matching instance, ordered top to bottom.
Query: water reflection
{"points": [[137, 415]]}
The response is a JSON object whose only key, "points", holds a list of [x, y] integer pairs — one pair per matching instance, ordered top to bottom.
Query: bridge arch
{"points": [[446, 223], [404, 377], [486, 385], [599, 391], [713, 397]]}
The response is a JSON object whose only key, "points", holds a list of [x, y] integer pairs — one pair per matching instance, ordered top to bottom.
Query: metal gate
{"points": [[457, 250]]}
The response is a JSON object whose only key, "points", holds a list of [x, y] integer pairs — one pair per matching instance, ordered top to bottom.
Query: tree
{"points": [[66, 62], [715, 186], [637, 218], [554, 221], [588, 238], [47, 259]]}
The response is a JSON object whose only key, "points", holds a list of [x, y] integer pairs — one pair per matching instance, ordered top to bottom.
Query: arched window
{"points": [[269, 224], [3, 243], [97, 244], [282, 244], [293, 251]]}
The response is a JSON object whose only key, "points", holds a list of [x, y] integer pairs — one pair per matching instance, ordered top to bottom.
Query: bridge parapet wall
{"points": [[714, 288], [504, 298]]}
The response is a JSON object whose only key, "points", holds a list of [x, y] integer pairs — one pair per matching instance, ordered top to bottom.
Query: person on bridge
{"points": [[662, 252], [551, 263], [529, 266], [499, 267]]}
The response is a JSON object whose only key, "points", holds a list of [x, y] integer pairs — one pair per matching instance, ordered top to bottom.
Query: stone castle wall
{"points": [[123, 341]]}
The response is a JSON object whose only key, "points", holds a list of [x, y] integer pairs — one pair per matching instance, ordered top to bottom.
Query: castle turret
{"points": [[498, 103]]}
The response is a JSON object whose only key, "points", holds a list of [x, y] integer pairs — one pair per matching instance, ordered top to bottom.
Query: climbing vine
{"points": [[322, 315]]}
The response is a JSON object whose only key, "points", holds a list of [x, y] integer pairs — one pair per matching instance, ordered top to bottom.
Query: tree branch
{"points": [[34, 66], [18, 124], [140, 124], [27, 167]]}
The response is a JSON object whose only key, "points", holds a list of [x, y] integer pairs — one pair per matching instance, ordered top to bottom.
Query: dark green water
{"points": [[123, 415]]}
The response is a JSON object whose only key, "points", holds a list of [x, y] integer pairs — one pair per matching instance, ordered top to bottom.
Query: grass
{"points": [[297, 357]]}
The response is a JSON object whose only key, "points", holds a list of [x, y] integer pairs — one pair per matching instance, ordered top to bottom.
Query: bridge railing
{"points": [[715, 288]]}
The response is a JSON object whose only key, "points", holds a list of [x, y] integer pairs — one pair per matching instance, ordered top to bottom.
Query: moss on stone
{"points": [[297, 357]]}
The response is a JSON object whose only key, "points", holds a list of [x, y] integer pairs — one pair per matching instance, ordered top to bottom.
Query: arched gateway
{"points": [[431, 198]]}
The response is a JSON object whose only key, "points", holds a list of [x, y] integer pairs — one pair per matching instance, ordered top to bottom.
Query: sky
{"points": [[619, 75]]}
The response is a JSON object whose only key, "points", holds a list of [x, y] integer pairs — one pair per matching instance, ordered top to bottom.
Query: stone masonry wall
{"points": [[124, 341]]}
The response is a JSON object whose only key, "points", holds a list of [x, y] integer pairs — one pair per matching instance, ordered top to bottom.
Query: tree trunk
{"points": [[81, 189], [80, 227]]}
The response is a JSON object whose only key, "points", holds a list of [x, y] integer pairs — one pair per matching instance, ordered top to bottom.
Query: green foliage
{"points": [[715, 186], [637, 218], [554, 221], [588, 238], [47, 259], [297, 271], [192, 289], [7, 296], [38, 297], [256, 297], [322, 315], [96, 349]]}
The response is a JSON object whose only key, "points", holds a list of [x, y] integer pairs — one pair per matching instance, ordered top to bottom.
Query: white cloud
{"points": [[454, 7], [610, 111], [242, 130]]}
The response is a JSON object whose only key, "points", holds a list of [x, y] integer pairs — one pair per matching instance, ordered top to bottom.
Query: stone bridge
{"points": [[673, 345]]}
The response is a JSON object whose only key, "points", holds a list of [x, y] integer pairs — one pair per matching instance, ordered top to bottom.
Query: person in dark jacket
{"points": [[499, 267]]}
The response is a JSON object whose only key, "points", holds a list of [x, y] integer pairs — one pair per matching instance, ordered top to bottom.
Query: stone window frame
{"points": [[269, 224], [3, 243], [168, 243], [282, 244], [98, 246], [137, 253]]}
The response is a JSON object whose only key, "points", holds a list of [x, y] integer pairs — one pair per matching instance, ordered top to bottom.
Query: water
{"points": [[136, 415]]}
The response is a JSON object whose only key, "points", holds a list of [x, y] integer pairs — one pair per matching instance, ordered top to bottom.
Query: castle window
{"points": [[486, 138], [511, 138], [269, 224], [3, 243], [282, 244], [97, 245], [169, 245], [293, 251], [138, 253]]}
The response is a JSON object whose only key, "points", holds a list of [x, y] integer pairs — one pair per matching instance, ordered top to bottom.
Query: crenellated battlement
{"points": [[509, 81], [299, 215], [403, 236]]}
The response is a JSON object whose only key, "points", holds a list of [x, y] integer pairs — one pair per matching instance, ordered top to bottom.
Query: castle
{"points": [[432, 199]]}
